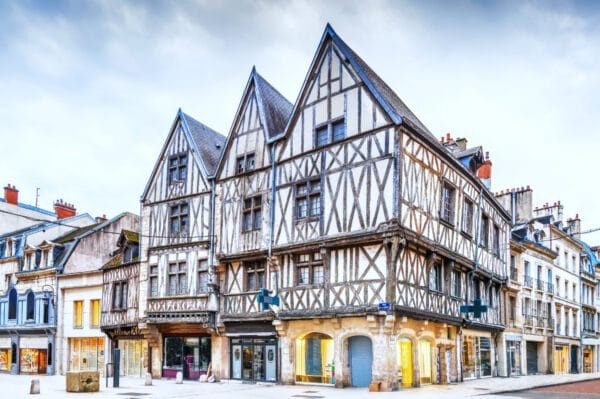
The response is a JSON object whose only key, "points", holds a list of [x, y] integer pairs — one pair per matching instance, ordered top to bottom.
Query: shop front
{"points": [[254, 351], [5, 354], [86, 354], [189, 354], [513, 354], [33, 355], [476, 356], [134, 357], [314, 358], [561, 358]]}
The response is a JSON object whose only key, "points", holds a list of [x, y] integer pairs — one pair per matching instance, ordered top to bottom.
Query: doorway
{"points": [[361, 361]]}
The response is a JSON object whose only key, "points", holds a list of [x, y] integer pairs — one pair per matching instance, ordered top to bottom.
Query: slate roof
{"points": [[380, 86], [275, 108], [209, 143], [32, 208], [70, 236], [131, 236], [115, 261]]}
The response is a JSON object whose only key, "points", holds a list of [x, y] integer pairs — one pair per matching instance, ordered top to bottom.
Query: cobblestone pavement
{"points": [[13, 386]]}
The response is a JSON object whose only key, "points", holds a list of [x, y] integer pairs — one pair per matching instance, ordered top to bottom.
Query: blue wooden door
{"points": [[361, 359]]}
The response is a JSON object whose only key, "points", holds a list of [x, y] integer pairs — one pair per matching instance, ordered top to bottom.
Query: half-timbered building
{"points": [[243, 203], [367, 230], [177, 301], [119, 307]]}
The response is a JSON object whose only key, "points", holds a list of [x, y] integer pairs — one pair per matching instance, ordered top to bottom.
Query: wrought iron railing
{"points": [[528, 281]]}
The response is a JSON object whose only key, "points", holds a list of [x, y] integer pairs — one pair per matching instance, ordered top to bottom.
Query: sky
{"points": [[89, 89]]}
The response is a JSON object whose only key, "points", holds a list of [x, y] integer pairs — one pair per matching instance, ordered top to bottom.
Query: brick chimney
{"points": [[484, 173], [11, 194], [64, 210]]}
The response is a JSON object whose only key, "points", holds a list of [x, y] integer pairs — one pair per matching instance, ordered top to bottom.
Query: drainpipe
{"points": [[513, 206], [272, 216], [211, 252], [476, 255]]}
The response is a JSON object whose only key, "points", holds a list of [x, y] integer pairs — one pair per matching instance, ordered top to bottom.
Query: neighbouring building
{"points": [[15, 215], [368, 231], [529, 292], [178, 296], [28, 303], [120, 313], [81, 345]]}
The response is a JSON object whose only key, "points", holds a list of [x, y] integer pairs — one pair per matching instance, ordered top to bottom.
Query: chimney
{"points": [[462, 142], [484, 173], [11, 194], [518, 202], [64, 210], [101, 219]]}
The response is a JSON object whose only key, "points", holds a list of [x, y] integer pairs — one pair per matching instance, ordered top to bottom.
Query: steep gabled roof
{"points": [[386, 98], [274, 110], [205, 141], [208, 142], [70, 236]]}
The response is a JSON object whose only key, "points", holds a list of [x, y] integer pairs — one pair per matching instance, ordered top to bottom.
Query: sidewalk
{"points": [[17, 386]]}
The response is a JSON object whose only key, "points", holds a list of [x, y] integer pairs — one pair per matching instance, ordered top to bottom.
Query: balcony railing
{"points": [[514, 274], [528, 281], [540, 285], [550, 288], [528, 320], [541, 322], [550, 324], [557, 329]]}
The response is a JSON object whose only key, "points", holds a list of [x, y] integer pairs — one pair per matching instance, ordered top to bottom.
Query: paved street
{"points": [[54, 387], [582, 390]]}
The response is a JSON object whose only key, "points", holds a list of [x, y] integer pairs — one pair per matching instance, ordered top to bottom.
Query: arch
{"points": [[12, 304], [30, 306], [425, 354], [404, 355], [314, 358], [360, 358]]}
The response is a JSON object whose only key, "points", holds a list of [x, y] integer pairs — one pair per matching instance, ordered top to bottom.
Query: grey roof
{"points": [[386, 92], [275, 107], [209, 142], [468, 152]]}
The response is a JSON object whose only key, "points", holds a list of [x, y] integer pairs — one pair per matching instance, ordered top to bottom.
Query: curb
{"points": [[542, 386]]}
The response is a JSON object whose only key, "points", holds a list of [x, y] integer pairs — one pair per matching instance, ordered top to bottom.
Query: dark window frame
{"points": [[330, 132], [245, 163], [177, 168], [448, 203], [307, 204], [252, 213], [179, 219], [467, 222], [484, 232], [496, 240], [310, 269], [178, 272], [202, 273], [254, 275], [436, 275], [152, 280], [456, 283], [119, 297], [12, 304], [30, 308]]}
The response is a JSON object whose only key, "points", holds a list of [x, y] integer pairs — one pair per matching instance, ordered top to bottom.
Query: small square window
{"points": [[339, 130], [322, 136]]}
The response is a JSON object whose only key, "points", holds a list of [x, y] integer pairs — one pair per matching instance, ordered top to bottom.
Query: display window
{"points": [[86, 354], [190, 355], [476, 357], [314, 358], [5, 359], [254, 359], [33, 361], [134, 361]]}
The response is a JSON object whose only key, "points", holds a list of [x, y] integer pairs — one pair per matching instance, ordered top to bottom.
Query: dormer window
{"points": [[330, 132], [245, 163], [177, 168], [130, 253]]}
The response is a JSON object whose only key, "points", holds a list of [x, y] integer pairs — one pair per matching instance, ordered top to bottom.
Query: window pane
{"points": [[339, 131], [322, 136], [249, 162], [301, 189], [315, 205], [301, 207], [257, 219], [303, 275], [318, 275]]}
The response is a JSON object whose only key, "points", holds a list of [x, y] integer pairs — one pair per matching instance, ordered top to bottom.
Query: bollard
{"points": [[179, 378], [148, 379], [35, 387]]}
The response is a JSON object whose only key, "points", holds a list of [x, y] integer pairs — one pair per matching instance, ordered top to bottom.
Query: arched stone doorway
{"points": [[314, 357], [360, 357], [405, 361]]}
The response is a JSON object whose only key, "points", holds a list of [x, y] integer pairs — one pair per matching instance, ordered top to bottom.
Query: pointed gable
{"points": [[340, 85], [262, 116], [201, 146]]}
